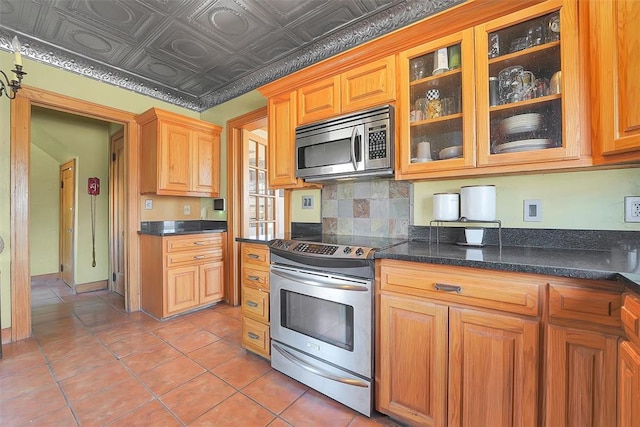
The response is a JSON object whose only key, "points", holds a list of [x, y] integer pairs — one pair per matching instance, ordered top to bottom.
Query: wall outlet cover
{"points": [[307, 202], [148, 204], [187, 209], [632, 209], [533, 210]]}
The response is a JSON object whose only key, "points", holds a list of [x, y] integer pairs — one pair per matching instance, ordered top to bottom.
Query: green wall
{"points": [[55, 80], [64, 137], [44, 212]]}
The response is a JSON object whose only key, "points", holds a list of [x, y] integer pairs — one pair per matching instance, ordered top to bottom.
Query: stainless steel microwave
{"points": [[355, 145]]}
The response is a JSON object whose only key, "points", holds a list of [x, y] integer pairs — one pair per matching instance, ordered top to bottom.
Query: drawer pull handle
{"points": [[199, 243], [253, 256], [198, 257], [254, 278], [447, 288], [252, 304], [253, 336]]}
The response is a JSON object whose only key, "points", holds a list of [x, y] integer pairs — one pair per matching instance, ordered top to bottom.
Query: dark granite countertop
{"points": [[176, 228], [576, 263]]}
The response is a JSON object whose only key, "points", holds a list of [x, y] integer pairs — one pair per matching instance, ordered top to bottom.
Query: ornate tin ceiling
{"points": [[198, 53]]}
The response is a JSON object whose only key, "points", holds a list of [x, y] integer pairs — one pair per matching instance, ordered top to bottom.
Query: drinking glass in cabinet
{"points": [[417, 68]]}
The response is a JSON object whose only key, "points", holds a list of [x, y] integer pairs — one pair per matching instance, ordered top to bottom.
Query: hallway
{"points": [[89, 363]]}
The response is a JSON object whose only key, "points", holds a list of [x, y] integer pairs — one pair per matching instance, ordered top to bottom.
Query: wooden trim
{"points": [[457, 18], [26, 98], [253, 120], [46, 277], [92, 286]]}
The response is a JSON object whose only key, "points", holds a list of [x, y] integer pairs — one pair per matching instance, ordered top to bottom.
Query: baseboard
{"points": [[46, 277], [92, 286], [5, 335]]}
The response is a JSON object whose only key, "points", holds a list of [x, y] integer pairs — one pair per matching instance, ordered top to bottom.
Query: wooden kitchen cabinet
{"points": [[615, 84], [366, 86], [281, 112], [537, 120], [179, 156], [181, 273], [255, 298], [582, 336], [437, 339], [629, 363], [580, 382], [413, 384]]}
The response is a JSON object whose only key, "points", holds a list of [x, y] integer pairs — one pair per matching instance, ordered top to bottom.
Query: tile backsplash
{"points": [[376, 208]]}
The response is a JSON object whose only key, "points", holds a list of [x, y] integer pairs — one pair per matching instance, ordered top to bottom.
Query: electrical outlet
{"points": [[148, 204], [187, 209], [632, 209], [533, 210]]}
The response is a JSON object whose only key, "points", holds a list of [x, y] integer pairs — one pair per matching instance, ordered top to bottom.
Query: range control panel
{"points": [[322, 249]]}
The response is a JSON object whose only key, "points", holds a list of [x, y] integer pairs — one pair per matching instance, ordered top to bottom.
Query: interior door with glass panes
{"points": [[528, 91], [437, 119], [260, 203]]}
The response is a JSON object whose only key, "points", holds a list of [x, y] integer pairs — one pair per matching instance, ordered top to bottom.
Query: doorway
{"points": [[20, 148], [117, 214], [67, 215]]}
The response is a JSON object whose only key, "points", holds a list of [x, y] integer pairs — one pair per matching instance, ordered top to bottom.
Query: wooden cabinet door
{"points": [[614, 67], [369, 85], [319, 100], [282, 141], [175, 158], [206, 164], [211, 281], [182, 289], [413, 366], [493, 370], [580, 378], [628, 385]]}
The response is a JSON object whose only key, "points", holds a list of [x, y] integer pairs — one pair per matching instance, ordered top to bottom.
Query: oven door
{"points": [[326, 316]]}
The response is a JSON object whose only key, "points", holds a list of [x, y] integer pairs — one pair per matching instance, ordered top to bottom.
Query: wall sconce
{"points": [[13, 84]]}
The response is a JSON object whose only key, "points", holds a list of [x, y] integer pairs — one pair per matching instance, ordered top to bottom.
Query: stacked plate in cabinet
{"points": [[522, 132]]}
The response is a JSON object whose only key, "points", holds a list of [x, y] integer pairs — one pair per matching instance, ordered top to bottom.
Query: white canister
{"points": [[478, 202], [446, 206]]}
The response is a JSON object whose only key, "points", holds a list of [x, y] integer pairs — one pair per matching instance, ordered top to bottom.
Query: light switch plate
{"points": [[307, 202], [532, 210]]}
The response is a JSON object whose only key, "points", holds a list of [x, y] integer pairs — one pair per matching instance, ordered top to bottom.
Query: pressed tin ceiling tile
{"points": [[198, 53]]}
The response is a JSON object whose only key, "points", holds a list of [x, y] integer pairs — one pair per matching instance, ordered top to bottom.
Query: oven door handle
{"points": [[305, 281], [315, 370]]}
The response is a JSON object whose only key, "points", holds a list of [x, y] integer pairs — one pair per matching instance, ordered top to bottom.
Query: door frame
{"points": [[256, 119], [20, 139], [61, 231], [114, 231]]}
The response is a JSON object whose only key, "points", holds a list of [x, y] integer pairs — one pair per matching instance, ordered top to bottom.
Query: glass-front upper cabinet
{"points": [[528, 92], [436, 114]]}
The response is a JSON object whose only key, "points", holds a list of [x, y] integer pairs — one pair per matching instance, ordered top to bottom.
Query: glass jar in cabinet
{"points": [[528, 91], [436, 105]]}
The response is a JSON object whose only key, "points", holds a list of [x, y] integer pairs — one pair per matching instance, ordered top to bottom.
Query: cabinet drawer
{"points": [[175, 244], [257, 255], [183, 258], [258, 279], [504, 291], [255, 304], [585, 305], [630, 315], [255, 337]]}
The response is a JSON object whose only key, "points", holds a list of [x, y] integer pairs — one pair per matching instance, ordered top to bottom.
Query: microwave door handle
{"points": [[354, 135]]}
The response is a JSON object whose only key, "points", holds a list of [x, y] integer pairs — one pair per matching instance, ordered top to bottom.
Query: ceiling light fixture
{"points": [[13, 84]]}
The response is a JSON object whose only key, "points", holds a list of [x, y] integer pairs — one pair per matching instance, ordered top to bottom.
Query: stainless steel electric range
{"points": [[322, 314]]}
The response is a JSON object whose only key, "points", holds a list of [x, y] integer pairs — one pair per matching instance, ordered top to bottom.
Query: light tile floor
{"points": [[90, 363]]}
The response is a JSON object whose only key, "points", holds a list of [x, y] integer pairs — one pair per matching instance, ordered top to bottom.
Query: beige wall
{"points": [[168, 208]]}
